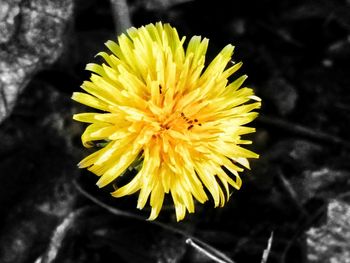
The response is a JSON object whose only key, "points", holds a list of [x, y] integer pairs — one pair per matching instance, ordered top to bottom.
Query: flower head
{"points": [[162, 107]]}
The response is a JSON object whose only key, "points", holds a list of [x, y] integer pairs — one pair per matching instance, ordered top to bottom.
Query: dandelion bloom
{"points": [[161, 107]]}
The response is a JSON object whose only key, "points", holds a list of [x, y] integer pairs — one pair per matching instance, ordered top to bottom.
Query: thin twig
{"points": [[121, 15], [303, 131], [291, 194], [110, 209], [59, 234], [267, 250], [213, 252], [207, 253]]}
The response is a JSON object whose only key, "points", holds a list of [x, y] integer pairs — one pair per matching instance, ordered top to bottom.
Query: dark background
{"points": [[297, 56]]}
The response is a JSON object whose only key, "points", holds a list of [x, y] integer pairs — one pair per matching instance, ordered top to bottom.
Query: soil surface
{"points": [[295, 201]]}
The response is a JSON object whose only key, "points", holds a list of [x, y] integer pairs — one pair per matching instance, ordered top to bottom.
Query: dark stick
{"points": [[121, 15], [303, 131]]}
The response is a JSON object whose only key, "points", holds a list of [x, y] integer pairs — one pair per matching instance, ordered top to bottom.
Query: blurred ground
{"points": [[297, 56]]}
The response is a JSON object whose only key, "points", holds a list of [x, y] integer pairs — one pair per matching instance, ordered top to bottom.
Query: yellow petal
{"points": [[89, 100], [157, 198]]}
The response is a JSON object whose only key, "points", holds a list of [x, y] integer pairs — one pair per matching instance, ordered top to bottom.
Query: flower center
{"points": [[179, 121]]}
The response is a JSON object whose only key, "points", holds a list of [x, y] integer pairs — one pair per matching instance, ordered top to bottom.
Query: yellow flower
{"points": [[162, 108]]}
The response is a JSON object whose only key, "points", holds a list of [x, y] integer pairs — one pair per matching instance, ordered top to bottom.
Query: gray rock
{"points": [[8, 13], [31, 37], [282, 93], [323, 183], [331, 242]]}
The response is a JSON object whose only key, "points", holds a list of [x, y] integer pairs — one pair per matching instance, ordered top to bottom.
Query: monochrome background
{"points": [[295, 201]]}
